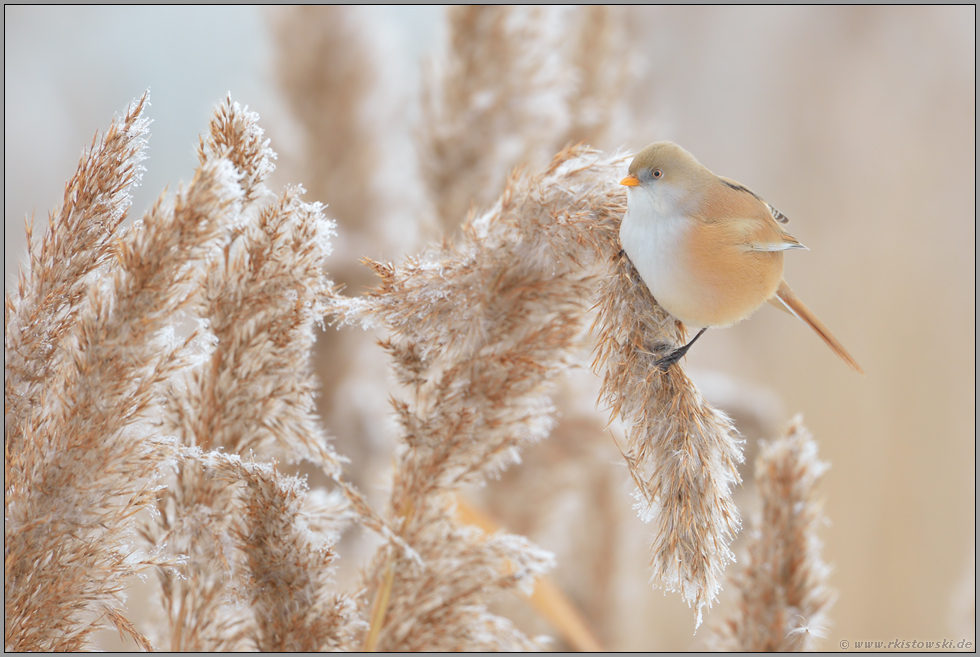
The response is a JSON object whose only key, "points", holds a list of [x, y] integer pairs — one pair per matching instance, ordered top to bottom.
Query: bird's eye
{"points": [[657, 173]]}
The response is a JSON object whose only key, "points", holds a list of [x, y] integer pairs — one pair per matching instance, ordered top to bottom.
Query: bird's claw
{"points": [[663, 364]]}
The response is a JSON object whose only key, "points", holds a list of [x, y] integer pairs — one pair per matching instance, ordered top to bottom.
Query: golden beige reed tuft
{"points": [[324, 67], [493, 101], [479, 328], [86, 355], [92, 363], [251, 394], [681, 452], [782, 596]]}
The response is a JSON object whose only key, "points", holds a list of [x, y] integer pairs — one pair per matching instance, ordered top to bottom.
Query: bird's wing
{"points": [[776, 214], [756, 225], [760, 233], [786, 242]]}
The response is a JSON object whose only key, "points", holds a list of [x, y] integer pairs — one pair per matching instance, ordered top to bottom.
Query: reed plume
{"points": [[597, 60], [325, 70], [512, 87], [353, 151], [79, 241], [264, 288], [480, 326], [479, 330], [252, 394], [86, 453], [682, 453], [81, 458], [287, 543], [782, 593]]}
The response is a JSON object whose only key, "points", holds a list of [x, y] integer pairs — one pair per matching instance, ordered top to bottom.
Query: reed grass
{"points": [[159, 391]]}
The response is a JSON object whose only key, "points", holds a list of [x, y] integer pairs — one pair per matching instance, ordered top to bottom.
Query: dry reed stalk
{"points": [[479, 329], [251, 395], [681, 452], [81, 459], [782, 593]]}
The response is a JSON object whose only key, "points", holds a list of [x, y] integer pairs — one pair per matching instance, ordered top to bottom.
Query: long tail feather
{"points": [[788, 301]]}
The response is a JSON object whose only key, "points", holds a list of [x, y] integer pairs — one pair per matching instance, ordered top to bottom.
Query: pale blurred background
{"points": [[857, 123]]}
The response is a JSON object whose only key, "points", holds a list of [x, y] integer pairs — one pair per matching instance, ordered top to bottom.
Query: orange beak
{"points": [[630, 181]]}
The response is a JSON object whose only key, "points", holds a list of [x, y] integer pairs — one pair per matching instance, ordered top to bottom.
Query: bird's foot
{"points": [[664, 363]]}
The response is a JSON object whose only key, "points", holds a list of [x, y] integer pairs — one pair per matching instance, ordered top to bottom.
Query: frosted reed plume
{"points": [[512, 87], [346, 94], [78, 241], [265, 287], [479, 329], [251, 395], [681, 452], [81, 460], [287, 539], [782, 593]]}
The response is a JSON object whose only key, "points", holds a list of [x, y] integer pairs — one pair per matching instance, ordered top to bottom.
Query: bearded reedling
{"points": [[708, 248]]}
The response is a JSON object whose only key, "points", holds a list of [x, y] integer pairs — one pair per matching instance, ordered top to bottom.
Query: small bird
{"points": [[708, 248]]}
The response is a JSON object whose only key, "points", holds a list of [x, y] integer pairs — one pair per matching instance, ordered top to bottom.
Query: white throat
{"points": [[653, 234]]}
